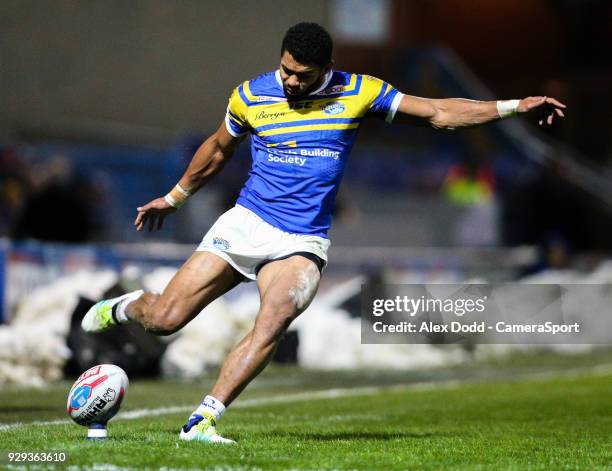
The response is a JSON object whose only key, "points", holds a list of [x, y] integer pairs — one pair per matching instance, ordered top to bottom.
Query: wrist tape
{"points": [[506, 108], [177, 196]]}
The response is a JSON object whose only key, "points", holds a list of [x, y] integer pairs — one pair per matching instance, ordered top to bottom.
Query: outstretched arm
{"points": [[453, 113], [208, 160]]}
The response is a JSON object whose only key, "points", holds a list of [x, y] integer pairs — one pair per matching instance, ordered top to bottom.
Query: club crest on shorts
{"points": [[220, 243]]}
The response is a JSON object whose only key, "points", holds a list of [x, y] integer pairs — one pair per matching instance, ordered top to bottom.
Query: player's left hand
{"points": [[547, 108]]}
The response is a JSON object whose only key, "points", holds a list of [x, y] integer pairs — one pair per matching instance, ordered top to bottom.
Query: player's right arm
{"points": [[208, 160]]}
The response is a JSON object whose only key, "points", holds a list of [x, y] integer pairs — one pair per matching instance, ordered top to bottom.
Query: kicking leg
{"points": [[203, 278], [286, 289]]}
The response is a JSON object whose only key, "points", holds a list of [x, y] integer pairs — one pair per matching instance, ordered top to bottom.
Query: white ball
{"points": [[96, 395]]}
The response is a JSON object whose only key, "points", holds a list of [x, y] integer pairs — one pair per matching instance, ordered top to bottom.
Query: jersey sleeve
{"points": [[381, 99], [236, 116]]}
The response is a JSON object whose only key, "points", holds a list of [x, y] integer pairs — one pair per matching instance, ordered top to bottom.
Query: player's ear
{"points": [[329, 66]]}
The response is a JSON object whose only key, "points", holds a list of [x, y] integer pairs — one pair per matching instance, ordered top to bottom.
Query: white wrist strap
{"points": [[507, 108], [177, 196]]}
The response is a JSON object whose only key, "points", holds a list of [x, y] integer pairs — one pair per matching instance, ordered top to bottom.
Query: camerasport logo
{"points": [[333, 108]]}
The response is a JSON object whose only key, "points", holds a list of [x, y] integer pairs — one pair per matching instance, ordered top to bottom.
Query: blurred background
{"points": [[104, 103]]}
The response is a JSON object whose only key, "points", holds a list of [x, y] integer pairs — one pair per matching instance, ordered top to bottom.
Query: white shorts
{"points": [[246, 242]]}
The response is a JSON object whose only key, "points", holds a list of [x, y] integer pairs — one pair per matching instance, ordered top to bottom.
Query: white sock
{"points": [[122, 316], [211, 406]]}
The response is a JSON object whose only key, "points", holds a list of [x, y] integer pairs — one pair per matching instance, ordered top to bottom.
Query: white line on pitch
{"points": [[324, 394], [331, 394]]}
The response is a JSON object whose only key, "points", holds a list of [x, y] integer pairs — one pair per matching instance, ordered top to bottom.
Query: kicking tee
{"points": [[300, 147]]}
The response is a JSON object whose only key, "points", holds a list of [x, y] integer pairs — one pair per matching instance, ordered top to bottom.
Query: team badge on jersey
{"points": [[333, 108]]}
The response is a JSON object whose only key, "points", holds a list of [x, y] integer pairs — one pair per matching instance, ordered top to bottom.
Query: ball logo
{"points": [[333, 108], [89, 373], [109, 395], [80, 396], [93, 410]]}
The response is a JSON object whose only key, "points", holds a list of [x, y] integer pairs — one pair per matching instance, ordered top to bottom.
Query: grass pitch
{"points": [[528, 413]]}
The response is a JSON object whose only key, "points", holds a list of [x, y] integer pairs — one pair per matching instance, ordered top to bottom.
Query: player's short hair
{"points": [[308, 43]]}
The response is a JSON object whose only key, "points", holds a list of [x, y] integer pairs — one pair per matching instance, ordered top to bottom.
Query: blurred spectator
{"points": [[472, 181], [14, 185], [470, 186], [58, 208], [546, 209], [346, 211], [553, 254]]}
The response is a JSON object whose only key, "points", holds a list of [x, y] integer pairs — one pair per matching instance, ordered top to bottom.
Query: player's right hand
{"points": [[153, 214]]}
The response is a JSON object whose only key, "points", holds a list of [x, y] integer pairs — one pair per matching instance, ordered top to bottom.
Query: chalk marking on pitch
{"points": [[336, 393], [296, 397]]}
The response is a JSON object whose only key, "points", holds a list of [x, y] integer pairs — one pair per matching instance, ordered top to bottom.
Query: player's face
{"points": [[299, 79]]}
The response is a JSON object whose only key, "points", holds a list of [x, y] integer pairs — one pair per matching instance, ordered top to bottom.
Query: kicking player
{"points": [[303, 119]]}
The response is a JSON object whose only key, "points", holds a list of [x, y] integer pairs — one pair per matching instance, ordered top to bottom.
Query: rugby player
{"points": [[303, 119]]}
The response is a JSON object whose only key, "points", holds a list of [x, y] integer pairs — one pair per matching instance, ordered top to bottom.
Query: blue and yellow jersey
{"points": [[300, 147]]}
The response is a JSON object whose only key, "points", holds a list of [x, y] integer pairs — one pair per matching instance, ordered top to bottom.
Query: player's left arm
{"points": [[453, 113]]}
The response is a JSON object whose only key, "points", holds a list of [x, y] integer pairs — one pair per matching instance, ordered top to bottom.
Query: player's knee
{"points": [[150, 299], [165, 319], [274, 320], [163, 326], [266, 339]]}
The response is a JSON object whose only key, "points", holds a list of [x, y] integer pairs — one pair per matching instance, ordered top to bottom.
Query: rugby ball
{"points": [[96, 395]]}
